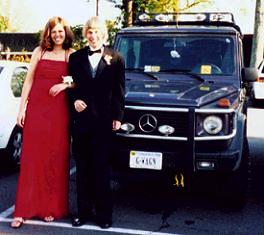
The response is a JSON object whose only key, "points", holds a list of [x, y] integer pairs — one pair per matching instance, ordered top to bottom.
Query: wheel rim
{"points": [[17, 146]]}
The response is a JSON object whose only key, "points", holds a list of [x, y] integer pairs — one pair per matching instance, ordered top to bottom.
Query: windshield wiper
{"points": [[143, 72], [185, 72]]}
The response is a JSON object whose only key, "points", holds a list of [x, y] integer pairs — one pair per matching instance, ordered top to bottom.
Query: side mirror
{"points": [[249, 74]]}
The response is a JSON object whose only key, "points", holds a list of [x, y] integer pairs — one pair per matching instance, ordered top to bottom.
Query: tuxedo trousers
{"points": [[92, 150]]}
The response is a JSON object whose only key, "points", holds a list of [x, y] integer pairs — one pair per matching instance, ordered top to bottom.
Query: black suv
{"points": [[186, 103]]}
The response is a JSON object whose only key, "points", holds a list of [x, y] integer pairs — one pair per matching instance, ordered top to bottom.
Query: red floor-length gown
{"points": [[44, 173]]}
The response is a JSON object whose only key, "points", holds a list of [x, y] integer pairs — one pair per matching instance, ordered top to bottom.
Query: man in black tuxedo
{"points": [[97, 110]]}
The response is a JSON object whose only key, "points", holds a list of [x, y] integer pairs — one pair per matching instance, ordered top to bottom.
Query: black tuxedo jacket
{"points": [[103, 94]]}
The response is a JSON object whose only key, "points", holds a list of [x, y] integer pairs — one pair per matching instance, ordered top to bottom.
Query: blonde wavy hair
{"points": [[96, 23]]}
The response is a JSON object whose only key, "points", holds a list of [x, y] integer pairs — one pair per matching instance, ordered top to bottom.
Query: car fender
{"points": [[6, 129], [238, 140]]}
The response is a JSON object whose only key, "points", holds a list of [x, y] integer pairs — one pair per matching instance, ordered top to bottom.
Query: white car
{"points": [[12, 76], [258, 86]]}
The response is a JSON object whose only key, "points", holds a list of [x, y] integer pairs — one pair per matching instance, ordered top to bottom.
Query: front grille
{"points": [[178, 120]]}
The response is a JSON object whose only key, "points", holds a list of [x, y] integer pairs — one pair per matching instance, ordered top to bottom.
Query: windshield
{"points": [[212, 55]]}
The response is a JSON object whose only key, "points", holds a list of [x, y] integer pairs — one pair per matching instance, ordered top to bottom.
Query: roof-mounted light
{"points": [[144, 17], [164, 17], [222, 17], [186, 18]]}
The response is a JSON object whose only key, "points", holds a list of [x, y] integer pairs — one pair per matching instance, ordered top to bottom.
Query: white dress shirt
{"points": [[94, 61]]}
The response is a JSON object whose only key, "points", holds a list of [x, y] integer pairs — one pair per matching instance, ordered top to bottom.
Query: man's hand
{"points": [[79, 105], [116, 125]]}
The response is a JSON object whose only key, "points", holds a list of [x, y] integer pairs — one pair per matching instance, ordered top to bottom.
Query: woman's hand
{"points": [[56, 89], [79, 105], [21, 118], [116, 125]]}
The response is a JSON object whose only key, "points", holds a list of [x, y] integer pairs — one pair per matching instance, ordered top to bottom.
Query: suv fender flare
{"points": [[239, 139]]}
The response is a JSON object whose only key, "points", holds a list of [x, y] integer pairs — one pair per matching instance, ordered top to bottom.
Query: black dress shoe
{"points": [[78, 221], [104, 224]]}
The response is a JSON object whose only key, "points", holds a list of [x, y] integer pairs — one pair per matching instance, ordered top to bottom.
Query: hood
{"points": [[176, 92]]}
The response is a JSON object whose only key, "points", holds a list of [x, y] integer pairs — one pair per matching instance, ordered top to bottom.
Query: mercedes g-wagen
{"points": [[186, 102]]}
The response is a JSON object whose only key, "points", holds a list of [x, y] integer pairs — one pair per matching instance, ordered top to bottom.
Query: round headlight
{"points": [[213, 125]]}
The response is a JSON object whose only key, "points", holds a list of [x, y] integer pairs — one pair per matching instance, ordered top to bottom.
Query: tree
{"points": [[12, 14], [4, 18], [4, 24], [112, 30], [258, 37], [79, 41]]}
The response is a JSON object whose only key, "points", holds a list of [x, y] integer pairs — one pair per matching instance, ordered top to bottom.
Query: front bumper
{"points": [[185, 150], [178, 156]]}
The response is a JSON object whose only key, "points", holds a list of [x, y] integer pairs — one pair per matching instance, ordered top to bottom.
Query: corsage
{"points": [[108, 59], [67, 80]]}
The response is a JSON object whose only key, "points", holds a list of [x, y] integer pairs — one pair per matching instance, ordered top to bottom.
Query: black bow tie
{"points": [[92, 52]]}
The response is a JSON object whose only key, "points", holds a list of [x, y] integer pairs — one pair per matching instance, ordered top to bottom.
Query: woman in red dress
{"points": [[43, 182]]}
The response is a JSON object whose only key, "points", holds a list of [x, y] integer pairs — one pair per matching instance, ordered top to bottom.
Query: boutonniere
{"points": [[108, 59], [67, 79]]}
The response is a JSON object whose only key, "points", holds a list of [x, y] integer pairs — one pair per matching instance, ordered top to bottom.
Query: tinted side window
{"points": [[130, 49], [18, 78]]}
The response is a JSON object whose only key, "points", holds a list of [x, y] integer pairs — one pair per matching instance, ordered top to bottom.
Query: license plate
{"points": [[145, 160]]}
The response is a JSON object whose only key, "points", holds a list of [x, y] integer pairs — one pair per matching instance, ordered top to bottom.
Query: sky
{"points": [[243, 10], [32, 15]]}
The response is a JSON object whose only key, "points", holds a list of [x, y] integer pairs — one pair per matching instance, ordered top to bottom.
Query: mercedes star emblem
{"points": [[148, 123]]}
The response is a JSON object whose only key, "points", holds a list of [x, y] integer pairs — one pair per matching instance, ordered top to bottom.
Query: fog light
{"points": [[127, 127], [166, 130], [205, 165]]}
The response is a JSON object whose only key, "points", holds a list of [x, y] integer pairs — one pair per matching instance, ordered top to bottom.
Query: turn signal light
{"points": [[261, 79], [224, 103]]}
